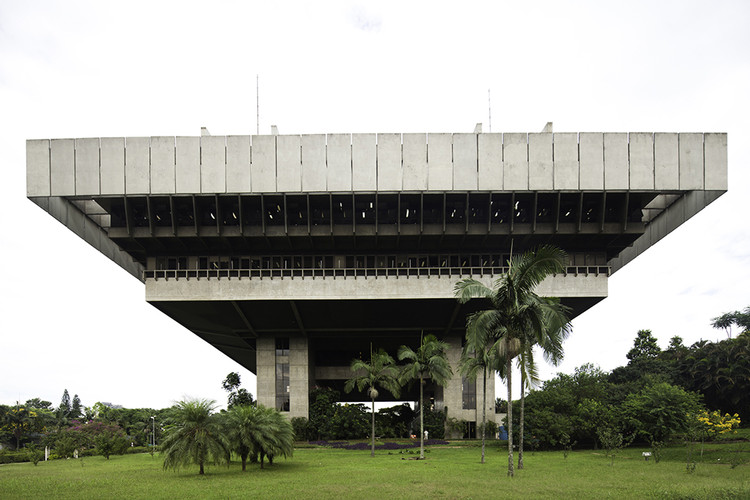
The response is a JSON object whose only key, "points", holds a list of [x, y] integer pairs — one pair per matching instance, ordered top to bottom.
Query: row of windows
{"points": [[369, 209]]}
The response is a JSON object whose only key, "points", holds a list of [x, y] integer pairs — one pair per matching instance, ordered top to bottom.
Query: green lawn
{"points": [[448, 472]]}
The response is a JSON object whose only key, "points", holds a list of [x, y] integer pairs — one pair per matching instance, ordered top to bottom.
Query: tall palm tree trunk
{"points": [[508, 377], [484, 409], [421, 420], [520, 437], [372, 451]]}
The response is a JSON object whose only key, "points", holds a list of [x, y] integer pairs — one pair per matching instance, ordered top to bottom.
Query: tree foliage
{"points": [[518, 317], [726, 321], [644, 347], [429, 361], [720, 371], [381, 372], [237, 395], [322, 407], [76, 408], [63, 411], [659, 411], [258, 431], [195, 436]]}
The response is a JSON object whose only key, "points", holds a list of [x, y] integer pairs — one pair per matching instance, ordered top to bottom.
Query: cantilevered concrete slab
{"points": [[292, 253]]}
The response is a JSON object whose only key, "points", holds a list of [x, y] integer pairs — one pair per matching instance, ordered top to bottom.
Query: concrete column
{"points": [[266, 366], [299, 377], [452, 394], [490, 402]]}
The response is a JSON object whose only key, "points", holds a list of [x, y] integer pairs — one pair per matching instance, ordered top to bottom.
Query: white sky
{"points": [[70, 318]]}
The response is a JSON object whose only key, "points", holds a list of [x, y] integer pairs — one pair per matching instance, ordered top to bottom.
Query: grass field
{"points": [[448, 472]]}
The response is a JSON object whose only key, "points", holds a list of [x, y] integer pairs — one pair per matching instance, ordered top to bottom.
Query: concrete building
{"points": [[292, 254]]}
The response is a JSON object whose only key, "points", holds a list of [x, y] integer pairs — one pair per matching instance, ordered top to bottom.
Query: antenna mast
{"points": [[257, 107], [489, 110]]}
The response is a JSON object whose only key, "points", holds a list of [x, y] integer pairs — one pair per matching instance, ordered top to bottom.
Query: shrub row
{"points": [[385, 446]]}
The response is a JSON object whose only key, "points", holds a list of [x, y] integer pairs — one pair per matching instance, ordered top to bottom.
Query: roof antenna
{"points": [[257, 107], [489, 110]]}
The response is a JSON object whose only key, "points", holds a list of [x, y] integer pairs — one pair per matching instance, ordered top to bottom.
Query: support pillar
{"points": [[268, 359], [266, 366], [299, 377], [453, 392]]}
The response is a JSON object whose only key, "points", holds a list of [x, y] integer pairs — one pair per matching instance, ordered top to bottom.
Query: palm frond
{"points": [[530, 269], [469, 288]]}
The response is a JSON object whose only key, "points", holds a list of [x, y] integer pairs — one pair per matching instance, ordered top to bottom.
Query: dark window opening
{"points": [[296, 207], [545, 207], [569, 207], [592, 207], [320, 208], [410, 208], [455, 208], [478, 208], [500, 208], [522, 208], [342, 209], [364, 209], [387, 209], [433, 209], [207, 210], [274, 210], [138, 211], [183, 211], [229, 211], [252, 214], [162, 215], [282, 346], [282, 373], [468, 394]]}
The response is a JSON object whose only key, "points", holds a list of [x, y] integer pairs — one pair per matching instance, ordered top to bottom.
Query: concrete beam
{"points": [[370, 162], [343, 288]]}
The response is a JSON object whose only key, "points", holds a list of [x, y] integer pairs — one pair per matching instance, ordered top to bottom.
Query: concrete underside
{"points": [[340, 330]]}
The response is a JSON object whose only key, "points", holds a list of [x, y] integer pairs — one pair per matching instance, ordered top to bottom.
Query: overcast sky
{"points": [[73, 319]]}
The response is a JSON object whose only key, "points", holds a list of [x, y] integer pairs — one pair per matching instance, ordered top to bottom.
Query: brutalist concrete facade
{"points": [[292, 254]]}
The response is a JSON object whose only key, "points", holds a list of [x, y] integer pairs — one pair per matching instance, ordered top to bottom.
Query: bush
{"points": [[322, 409], [658, 411], [350, 421], [394, 422], [434, 423], [301, 427], [491, 429], [114, 443], [65, 445], [34, 454], [13, 457]]}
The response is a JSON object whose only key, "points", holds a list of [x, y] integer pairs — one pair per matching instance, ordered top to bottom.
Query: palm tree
{"points": [[517, 313], [557, 329], [478, 355], [428, 361], [380, 371], [246, 427], [196, 436], [282, 442]]}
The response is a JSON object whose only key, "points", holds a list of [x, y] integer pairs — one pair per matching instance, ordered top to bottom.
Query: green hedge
{"points": [[12, 457]]}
